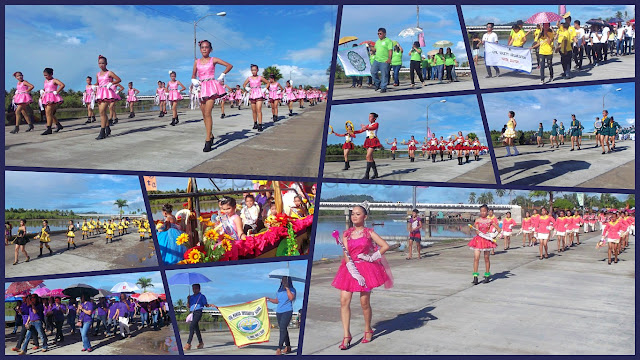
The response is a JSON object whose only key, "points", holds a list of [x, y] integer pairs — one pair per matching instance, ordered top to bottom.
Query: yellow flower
{"points": [[200, 219], [210, 234], [182, 239], [226, 244], [194, 256], [182, 262]]}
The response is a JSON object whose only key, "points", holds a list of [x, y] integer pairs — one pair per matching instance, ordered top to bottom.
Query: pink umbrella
{"points": [[543, 17], [42, 292], [56, 293], [147, 297]]}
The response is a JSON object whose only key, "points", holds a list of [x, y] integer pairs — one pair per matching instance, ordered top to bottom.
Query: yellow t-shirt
{"points": [[572, 31], [536, 34], [518, 38], [564, 41], [546, 43]]}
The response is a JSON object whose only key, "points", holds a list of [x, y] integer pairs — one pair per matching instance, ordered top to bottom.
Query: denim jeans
{"points": [[627, 45], [619, 46], [578, 54], [546, 60], [497, 69], [440, 71], [434, 72], [426, 73], [396, 74], [383, 80], [154, 315], [144, 317], [71, 321], [101, 321], [283, 322], [35, 326], [194, 327], [84, 332], [23, 334]]}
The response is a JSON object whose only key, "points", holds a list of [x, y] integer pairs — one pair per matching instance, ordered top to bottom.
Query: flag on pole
{"points": [[562, 9], [421, 39], [355, 61], [429, 133], [248, 322]]}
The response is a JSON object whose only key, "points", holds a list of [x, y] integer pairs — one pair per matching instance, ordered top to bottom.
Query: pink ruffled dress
{"points": [[210, 88], [256, 88], [88, 91], [115, 91], [273, 92], [105, 93], [290, 93], [161, 94], [174, 94], [238, 94], [301, 94], [22, 96], [131, 96], [49, 97], [480, 243], [375, 273]]}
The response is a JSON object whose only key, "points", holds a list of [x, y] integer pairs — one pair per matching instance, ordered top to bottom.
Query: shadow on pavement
{"points": [[408, 321]]}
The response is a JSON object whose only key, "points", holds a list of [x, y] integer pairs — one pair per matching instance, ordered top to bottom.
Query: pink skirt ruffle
{"points": [[211, 89], [256, 93], [105, 94], [174, 96], [50, 98], [86, 98], [132, 98], [19, 99], [482, 244], [374, 274]]}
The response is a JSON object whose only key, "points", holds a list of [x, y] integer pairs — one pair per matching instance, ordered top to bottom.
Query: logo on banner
{"points": [[356, 60], [249, 325]]}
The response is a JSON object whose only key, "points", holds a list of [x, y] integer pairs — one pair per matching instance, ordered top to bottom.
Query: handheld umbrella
{"points": [[543, 17], [22, 286]]}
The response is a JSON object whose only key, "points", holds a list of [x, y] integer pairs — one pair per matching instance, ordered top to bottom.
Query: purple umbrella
{"points": [[543, 17]]}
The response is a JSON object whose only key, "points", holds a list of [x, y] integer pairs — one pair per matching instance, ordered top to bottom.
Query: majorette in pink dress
{"points": [[210, 88]]}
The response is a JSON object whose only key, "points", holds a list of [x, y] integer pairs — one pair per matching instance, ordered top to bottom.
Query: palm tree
{"points": [[271, 70], [500, 193], [542, 194], [472, 197], [489, 197], [120, 203], [144, 283], [180, 304]]}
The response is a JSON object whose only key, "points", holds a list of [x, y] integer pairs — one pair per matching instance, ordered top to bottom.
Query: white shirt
{"points": [[620, 33], [605, 34], [579, 36], [490, 37], [595, 39], [249, 215]]}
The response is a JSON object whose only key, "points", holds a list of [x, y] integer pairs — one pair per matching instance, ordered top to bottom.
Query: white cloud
{"points": [[460, 46], [322, 49], [298, 75], [631, 121]]}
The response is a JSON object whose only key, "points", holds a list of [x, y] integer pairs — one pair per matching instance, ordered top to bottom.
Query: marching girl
{"points": [[210, 88], [290, 91], [239, 94], [301, 95], [105, 96], [160, 96], [175, 96], [229, 96], [275, 96], [256, 97], [88, 98], [132, 98], [22, 99], [50, 99], [113, 116], [575, 131], [561, 133], [510, 134], [554, 134], [349, 135], [539, 135], [371, 144], [450, 145], [459, 146], [476, 146], [425, 147], [433, 147], [394, 148], [412, 148], [467, 148], [535, 219], [592, 221], [577, 223], [415, 224], [496, 224], [545, 224], [91, 226], [120, 226], [507, 227], [85, 229], [141, 230], [526, 230], [561, 230], [570, 230], [109, 231], [71, 235], [611, 235], [44, 238], [21, 241], [481, 243], [363, 268]]}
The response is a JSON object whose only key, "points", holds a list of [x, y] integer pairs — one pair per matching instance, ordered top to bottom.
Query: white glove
{"points": [[221, 77], [195, 82], [109, 85], [94, 87], [248, 88], [41, 92], [55, 92], [549, 227], [370, 258], [355, 274]]}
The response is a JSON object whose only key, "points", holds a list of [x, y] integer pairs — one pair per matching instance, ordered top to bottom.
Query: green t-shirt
{"points": [[382, 49], [415, 55], [371, 57], [396, 58], [439, 59], [449, 59], [425, 63]]}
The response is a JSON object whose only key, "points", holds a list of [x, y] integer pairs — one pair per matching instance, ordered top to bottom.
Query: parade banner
{"points": [[509, 57], [355, 61], [150, 183], [248, 322]]}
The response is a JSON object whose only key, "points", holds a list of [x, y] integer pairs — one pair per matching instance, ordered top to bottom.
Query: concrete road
{"points": [[614, 68], [345, 91], [147, 142], [561, 167], [420, 170], [91, 255], [571, 303], [142, 342], [221, 343]]}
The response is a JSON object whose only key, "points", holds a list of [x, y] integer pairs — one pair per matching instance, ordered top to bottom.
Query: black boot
{"points": [[290, 112], [161, 114], [130, 115], [222, 116], [93, 118], [177, 119], [88, 120], [115, 121], [110, 122], [173, 122], [255, 125], [30, 127], [59, 127], [260, 128], [15, 130], [48, 131], [107, 131], [102, 134], [207, 145], [393, 156], [433, 157], [441, 157], [467, 157], [459, 161], [346, 166], [375, 170], [366, 174], [68, 245], [74, 245], [50, 251], [40, 253], [486, 278], [475, 280]]}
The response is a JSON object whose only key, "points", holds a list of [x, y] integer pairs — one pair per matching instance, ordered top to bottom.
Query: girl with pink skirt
{"points": [[210, 88], [290, 91], [105, 95], [238, 95], [301, 95], [174, 96], [275, 96], [228, 97], [256, 97], [22, 99], [50, 99], [88, 99], [132, 99], [113, 116], [483, 243], [363, 268]]}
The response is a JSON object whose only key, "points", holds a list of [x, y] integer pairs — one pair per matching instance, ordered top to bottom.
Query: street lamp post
{"points": [[195, 23], [618, 89], [435, 102]]}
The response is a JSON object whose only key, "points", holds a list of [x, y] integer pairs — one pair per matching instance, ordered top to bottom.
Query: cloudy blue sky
{"points": [[501, 14], [439, 22], [143, 43], [535, 106], [404, 118], [172, 183], [77, 192], [424, 194], [106, 281], [237, 284]]}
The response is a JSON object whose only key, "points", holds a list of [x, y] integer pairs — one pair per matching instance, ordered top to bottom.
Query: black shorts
{"points": [[21, 241]]}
